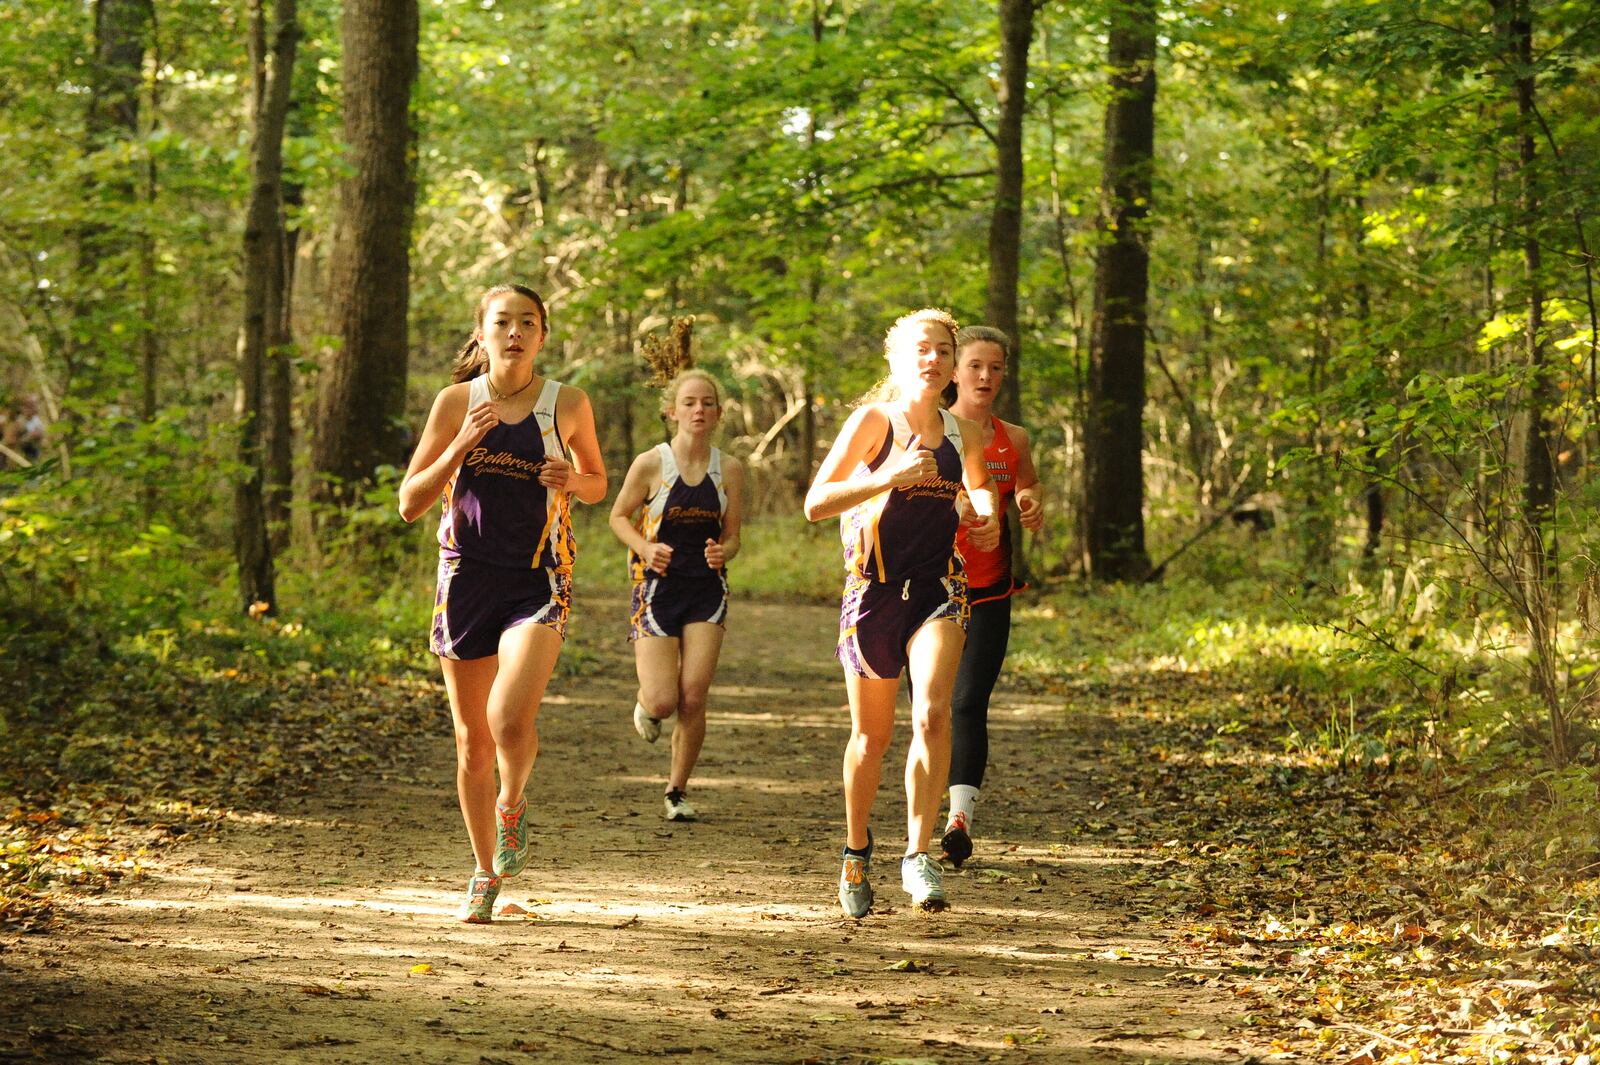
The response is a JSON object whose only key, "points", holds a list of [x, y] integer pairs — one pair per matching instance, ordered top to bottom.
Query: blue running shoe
{"points": [[855, 893]]}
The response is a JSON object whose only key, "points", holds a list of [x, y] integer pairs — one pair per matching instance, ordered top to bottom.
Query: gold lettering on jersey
{"points": [[479, 460], [941, 487], [691, 514]]}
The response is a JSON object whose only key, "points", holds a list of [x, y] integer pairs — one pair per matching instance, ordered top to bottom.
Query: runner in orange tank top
{"points": [[981, 354]]}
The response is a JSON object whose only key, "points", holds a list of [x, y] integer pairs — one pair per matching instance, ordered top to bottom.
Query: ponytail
{"points": [[471, 361]]}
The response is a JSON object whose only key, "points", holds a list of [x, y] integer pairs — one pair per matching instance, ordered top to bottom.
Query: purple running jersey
{"points": [[495, 509], [683, 516], [907, 533]]}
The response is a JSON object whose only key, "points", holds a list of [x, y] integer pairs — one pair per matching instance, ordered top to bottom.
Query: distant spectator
{"points": [[31, 434]]}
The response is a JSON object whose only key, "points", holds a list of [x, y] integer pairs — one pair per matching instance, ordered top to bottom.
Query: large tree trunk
{"points": [[122, 32], [1005, 221], [263, 292], [361, 391], [1114, 436], [806, 447]]}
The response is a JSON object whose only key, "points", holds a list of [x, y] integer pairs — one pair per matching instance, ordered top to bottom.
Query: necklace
{"points": [[499, 396]]}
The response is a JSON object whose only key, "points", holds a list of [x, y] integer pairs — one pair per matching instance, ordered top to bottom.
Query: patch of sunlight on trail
{"points": [[766, 785], [443, 905]]}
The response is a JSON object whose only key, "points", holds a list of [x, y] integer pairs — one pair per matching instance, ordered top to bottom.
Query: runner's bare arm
{"points": [[451, 432], [585, 476], [641, 477], [836, 489], [985, 532], [721, 551]]}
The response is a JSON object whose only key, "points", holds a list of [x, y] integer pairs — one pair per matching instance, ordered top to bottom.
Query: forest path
{"points": [[325, 931]]}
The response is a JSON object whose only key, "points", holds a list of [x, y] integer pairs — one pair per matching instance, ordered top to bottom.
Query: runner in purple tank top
{"points": [[507, 450], [895, 474], [679, 514]]}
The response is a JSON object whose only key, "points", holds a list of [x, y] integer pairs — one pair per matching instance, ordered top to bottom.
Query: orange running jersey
{"points": [[988, 568]]}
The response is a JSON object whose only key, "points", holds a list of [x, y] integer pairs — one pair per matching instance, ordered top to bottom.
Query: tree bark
{"points": [[122, 35], [1005, 221], [263, 293], [281, 352], [361, 390], [1114, 436], [806, 457], [1538, 488], [1540, 574]]}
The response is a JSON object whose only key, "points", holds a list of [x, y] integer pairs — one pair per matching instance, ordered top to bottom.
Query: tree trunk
{"points": [[122, 34], [1005, 221], [263, 293], [150, 340], [281, 352], [361, 391], [1114, 433], [806, 448], [1538, 489], [1317, 527], [1540, 574]]}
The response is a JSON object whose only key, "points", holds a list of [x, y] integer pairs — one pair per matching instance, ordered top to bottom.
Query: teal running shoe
{"points": [[512, 847], [482, 890]]}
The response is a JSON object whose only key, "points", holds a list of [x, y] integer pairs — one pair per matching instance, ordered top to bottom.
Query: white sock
{"points": [[963, 797]]}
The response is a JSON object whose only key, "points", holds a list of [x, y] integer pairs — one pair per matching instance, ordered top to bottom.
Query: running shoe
{"points": [[648, 728], [677, 806], [957, 843], [512, 847], [923, 880], [482, 890], [855, 894]]}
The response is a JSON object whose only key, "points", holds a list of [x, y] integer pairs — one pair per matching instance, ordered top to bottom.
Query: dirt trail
{"points": [[324, 932]]}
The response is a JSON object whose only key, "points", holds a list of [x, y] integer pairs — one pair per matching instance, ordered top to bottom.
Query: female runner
{"points": [[981, 355], [497, 447], [894, 474], [679, 513]]}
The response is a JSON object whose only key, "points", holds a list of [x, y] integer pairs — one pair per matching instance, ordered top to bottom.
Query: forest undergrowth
{"points": [[1378, 878]]}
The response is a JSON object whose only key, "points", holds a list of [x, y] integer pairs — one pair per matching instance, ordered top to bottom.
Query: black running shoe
{"points": [[956, 843]]}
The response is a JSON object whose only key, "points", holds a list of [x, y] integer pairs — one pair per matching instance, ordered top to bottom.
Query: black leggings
{"points": [[988, 632]]}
